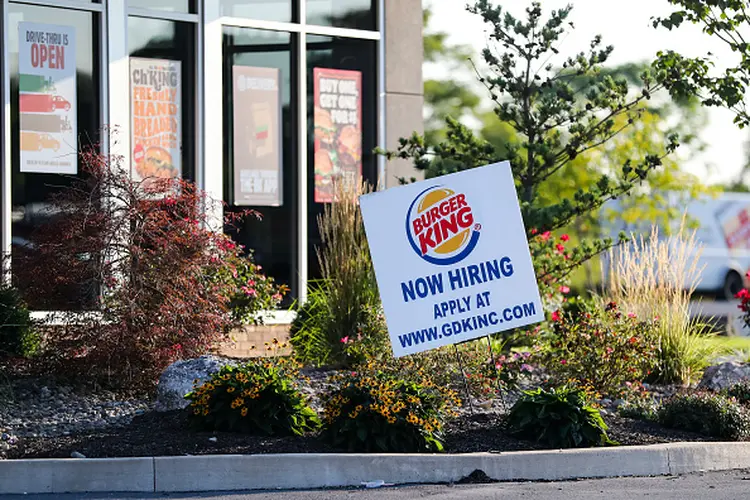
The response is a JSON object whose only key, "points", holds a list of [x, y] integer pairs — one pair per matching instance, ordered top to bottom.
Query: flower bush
{"points": [[551, 260], [251, 291], [744, 305], [601, 349], [258, 397], [374, 410], [710, 414], [559, 418]]}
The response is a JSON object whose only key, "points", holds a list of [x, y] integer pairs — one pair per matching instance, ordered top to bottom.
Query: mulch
{"points": [[167, 434]]}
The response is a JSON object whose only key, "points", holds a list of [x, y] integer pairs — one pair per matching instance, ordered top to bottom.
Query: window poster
{"points": [[47, 98], [155, 119], [338, 129], [257, 136]]}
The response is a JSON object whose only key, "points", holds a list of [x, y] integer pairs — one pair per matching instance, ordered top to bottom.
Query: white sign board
{"points": [[47, 98], [451, 259]]}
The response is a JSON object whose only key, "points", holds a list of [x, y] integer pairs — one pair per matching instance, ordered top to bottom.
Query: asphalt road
{"points": [[714, 485]]}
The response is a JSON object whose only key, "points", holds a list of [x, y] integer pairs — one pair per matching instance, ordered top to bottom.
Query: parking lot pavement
{"points": [[714, 485]]}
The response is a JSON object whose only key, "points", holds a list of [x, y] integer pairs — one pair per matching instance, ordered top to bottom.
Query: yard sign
{"points": [[451, 259]]}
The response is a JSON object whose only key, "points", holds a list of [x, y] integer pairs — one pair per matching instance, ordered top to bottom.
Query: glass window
{"points": [[168, 5], [264, 10], [358, 14], [171, 41], [249, 57], [351, 59], [48, 113]]}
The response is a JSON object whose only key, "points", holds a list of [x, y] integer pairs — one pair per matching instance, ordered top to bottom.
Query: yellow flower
{"points": [[226, 376], [230, 390], [358, 408], [197, 411], [205, 411], [244, 412], [353, 414], [391, 420]]}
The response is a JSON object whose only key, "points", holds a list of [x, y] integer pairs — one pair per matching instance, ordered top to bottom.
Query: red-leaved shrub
{"points": [[147, 266]]}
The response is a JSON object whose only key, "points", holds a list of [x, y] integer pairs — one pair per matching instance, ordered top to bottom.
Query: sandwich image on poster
{"points": [[47, 103], [156, 120], [338, 133], [257, 159]]}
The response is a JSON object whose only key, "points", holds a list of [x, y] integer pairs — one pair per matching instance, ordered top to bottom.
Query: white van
{"points": [[723, 232]]}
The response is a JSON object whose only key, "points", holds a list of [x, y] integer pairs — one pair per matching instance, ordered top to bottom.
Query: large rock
{"points": [[724, 375], [177, 380]]}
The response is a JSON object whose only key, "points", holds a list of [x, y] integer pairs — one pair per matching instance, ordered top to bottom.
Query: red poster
{"points": [[338, 129]]}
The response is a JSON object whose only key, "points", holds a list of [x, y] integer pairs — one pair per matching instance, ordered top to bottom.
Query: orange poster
{"points": [[156, 119], [338, 129]]}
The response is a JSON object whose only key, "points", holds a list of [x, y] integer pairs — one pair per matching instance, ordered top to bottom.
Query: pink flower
{"points": [[546, 235], [564, 237], [560, 247], [250, 282], [564, 289], [250, 292], [742, 294], [276, 296], [631, 315], [556, 316], [345, 340], [563, 362], [498, 366], [526, 368]]}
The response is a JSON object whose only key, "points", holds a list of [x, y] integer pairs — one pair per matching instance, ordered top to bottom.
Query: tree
{"points": [[686, 77], [555, 122]]}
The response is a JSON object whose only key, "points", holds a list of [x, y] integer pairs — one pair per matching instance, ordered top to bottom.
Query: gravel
{"points": [[37, 408]]}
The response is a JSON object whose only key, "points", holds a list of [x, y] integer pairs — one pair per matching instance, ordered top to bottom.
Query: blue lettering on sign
{"points": [[458, 278], [422, 287], [451, 307]]}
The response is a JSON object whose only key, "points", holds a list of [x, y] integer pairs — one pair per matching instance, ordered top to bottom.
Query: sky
{"points": [[627, 26]]}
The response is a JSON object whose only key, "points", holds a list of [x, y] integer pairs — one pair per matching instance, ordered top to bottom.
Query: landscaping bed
{"points": [[139, 433]]}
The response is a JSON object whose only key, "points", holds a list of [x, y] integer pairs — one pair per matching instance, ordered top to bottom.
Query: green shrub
{"points": [[345, 303], [308, 333], [18, 336], [601, 349], [740, 391], [259, 397], [640, 410], [374, 411], [710, 414], [559, 418]]}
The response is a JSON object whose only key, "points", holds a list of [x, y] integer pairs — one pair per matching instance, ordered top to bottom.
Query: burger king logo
{"points": [[441, 227]]}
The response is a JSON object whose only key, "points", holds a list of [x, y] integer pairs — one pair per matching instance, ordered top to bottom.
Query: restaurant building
{"points": [[260, 102]]}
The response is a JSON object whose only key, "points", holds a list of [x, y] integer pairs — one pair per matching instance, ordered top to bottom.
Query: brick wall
{"points": [[243, 340]]}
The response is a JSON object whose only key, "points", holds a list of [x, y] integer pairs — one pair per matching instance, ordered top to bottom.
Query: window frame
{"points": [[209, 24]]}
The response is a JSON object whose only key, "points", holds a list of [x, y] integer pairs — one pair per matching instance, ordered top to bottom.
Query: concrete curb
{"points": [[310, 471]]}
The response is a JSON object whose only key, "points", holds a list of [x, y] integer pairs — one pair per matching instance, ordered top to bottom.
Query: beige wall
{"points": [[404, 99]]}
